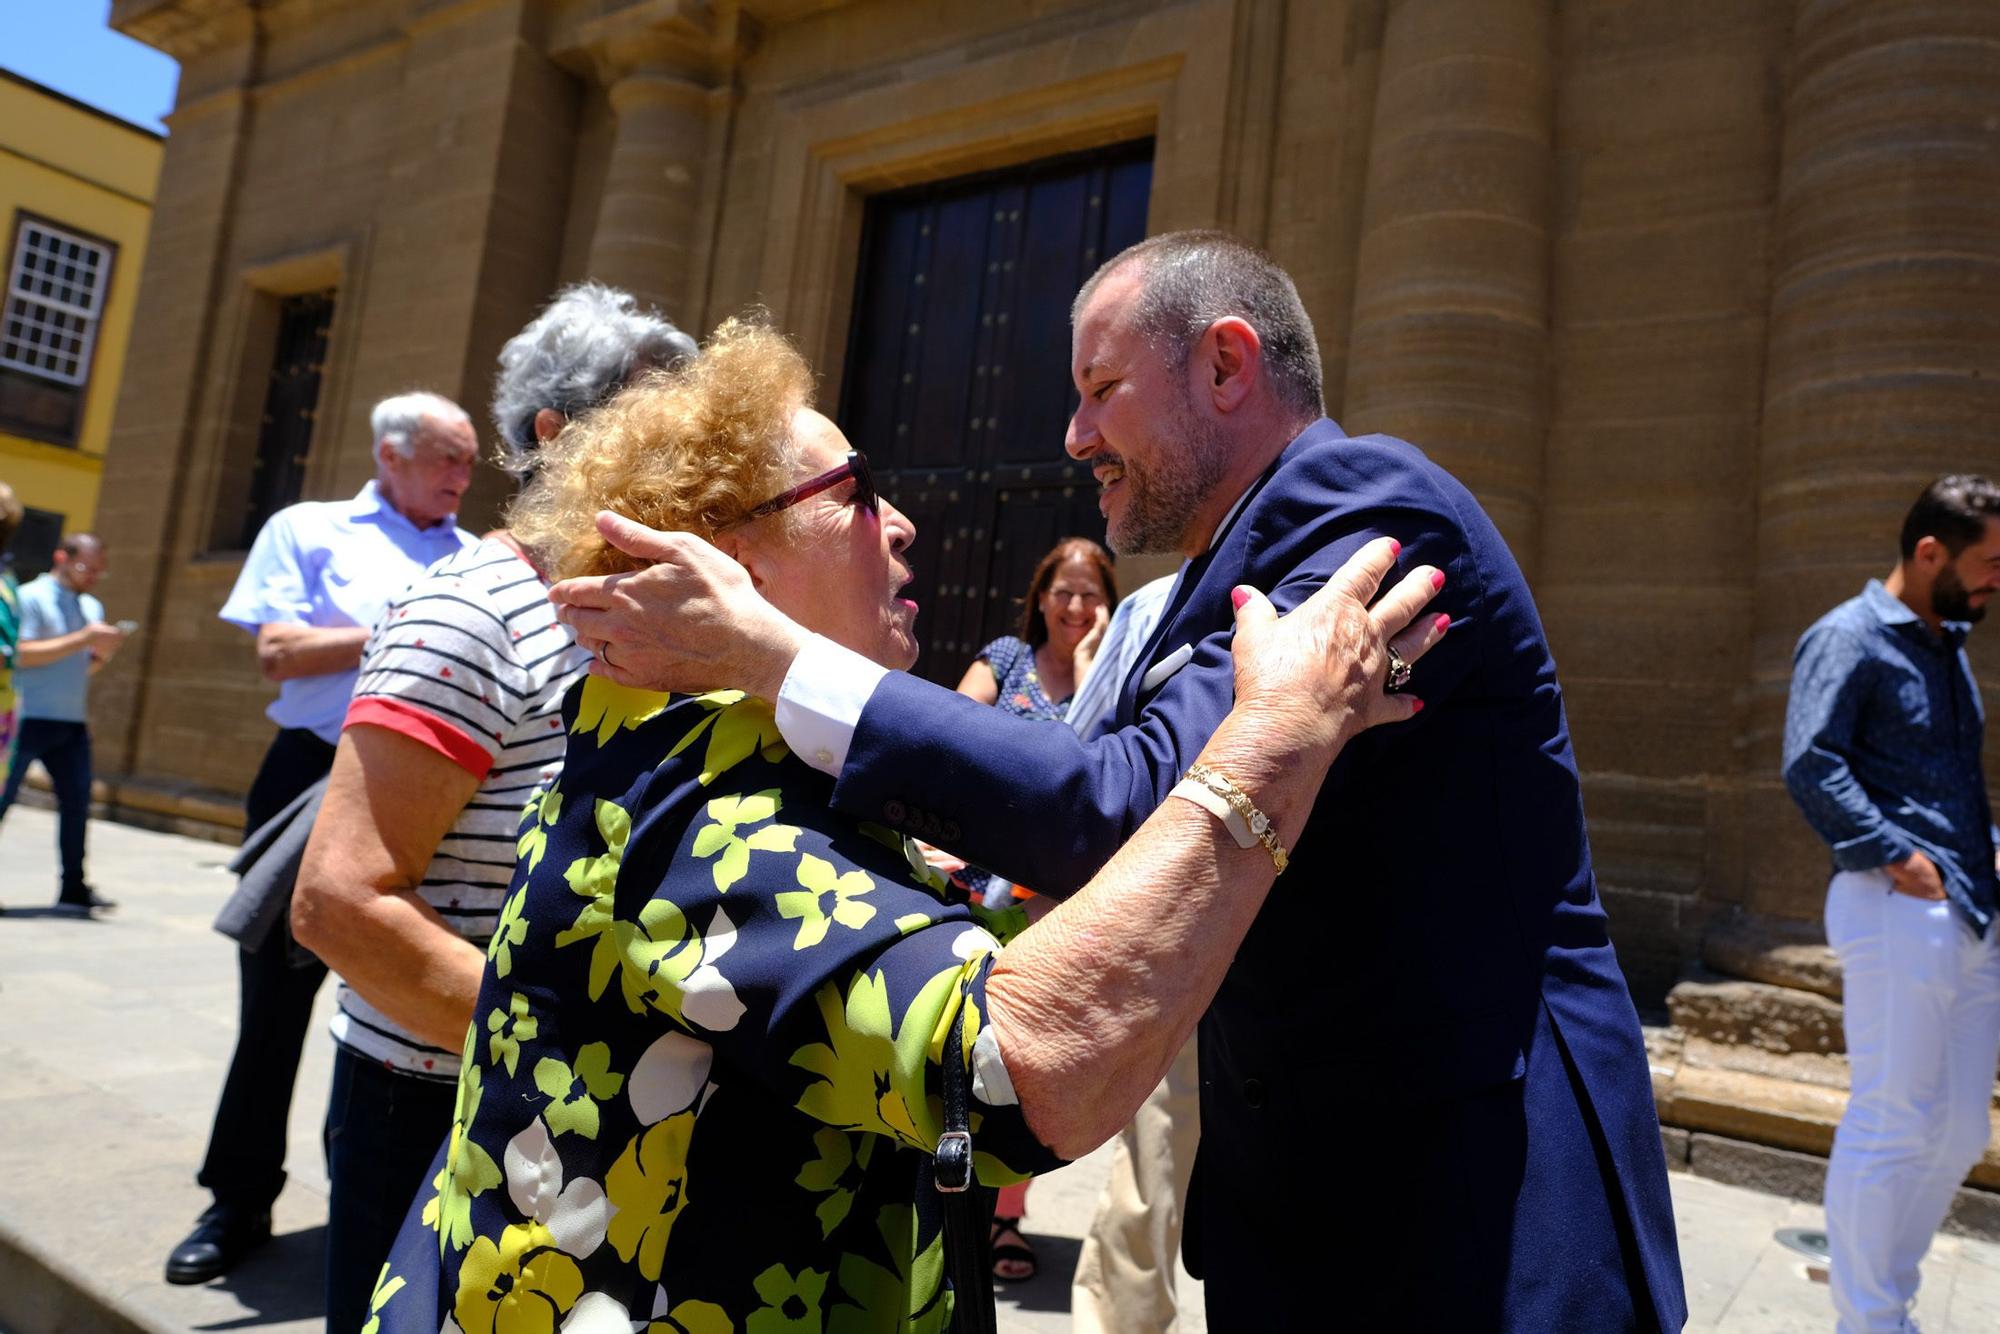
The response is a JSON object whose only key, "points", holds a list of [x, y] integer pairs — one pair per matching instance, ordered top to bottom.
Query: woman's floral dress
{"points": [[1021, 693], [703, 1078]]}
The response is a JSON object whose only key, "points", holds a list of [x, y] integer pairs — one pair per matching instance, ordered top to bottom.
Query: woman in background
{"points": [[1034, 671]]}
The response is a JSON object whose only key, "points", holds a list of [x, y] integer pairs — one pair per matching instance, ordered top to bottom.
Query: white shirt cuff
{"points": [[820, 704], [991, 1083]]}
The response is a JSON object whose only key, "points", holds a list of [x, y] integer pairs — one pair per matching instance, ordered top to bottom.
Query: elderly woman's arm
{"points": [[389, 802], [1104, 992]]}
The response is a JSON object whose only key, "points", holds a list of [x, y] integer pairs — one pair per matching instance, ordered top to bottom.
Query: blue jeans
{"points": [[64, 750], [382, 1130]]}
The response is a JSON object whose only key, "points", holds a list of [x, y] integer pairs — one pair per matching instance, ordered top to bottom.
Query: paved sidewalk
{"points": [[113, 1038]]}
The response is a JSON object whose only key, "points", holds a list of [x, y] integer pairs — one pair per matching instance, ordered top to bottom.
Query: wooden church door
{"points": [[957, 381]]}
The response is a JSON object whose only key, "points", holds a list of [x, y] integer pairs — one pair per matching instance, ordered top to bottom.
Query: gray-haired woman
{"points": [[589, 342], [454, 719]]}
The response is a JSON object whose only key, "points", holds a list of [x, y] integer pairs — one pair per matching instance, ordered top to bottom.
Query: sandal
{"points": [[1013, 1261]]}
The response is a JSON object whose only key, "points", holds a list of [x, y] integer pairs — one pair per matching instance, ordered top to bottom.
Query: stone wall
{"points": [[1666, 135], [419, 166], [1695, 297]]}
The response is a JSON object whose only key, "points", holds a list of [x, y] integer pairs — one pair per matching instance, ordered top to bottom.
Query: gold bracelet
{"points": [[1258, 823]]}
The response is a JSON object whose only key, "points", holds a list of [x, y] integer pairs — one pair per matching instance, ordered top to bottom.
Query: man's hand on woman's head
{"points": [[690, 621], [1317, 674]]}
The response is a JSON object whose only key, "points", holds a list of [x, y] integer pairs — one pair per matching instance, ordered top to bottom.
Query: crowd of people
{"points": [[695, 955]]}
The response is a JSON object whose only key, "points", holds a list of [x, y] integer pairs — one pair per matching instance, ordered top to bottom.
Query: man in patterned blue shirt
{"points": [[1882, 754]]}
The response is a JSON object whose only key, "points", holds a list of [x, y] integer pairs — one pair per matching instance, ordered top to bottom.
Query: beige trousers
{"points": [[1125, 1275]]}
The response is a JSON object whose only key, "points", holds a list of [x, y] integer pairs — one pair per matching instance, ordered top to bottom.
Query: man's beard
{"points": [[1165, 494], [1950, 600]]}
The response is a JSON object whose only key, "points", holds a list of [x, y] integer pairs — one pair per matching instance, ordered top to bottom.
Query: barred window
{"points": [[55, 293]]}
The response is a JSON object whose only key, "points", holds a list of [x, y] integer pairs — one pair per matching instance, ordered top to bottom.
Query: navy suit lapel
{"points": [[1128, 696]]}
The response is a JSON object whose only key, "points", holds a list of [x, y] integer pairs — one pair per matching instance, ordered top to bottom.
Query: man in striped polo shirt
{"points": [[455, 723]]}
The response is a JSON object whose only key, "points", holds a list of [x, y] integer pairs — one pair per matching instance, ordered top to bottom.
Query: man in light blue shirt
{"points": [[320, 572], [316, 579], [63, 640]]}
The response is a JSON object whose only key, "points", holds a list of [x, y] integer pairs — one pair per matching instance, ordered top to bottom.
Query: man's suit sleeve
{"points": [[1465, 596], [1028, 800], [1038, 805]]}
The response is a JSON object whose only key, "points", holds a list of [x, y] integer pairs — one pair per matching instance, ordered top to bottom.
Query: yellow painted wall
{"points": [[76, 168]]}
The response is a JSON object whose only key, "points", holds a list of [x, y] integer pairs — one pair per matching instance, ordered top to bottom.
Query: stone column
{"points": [[647, 220], [1450, 330], [1883, 368]]}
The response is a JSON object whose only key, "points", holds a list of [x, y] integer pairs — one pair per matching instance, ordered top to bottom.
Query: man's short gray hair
{"points": [[1191, 279], [573, 356], [397, 418]]}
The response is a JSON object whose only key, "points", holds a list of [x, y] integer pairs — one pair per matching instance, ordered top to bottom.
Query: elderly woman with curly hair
{"points": [[454, 721], [707, 1067]]}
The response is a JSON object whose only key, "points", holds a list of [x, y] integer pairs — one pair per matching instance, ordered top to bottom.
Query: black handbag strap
{"points": [[965, 1220]]}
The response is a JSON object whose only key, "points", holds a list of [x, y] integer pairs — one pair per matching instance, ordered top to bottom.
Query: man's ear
{"points": [[1231, 360], [548, 425], [1930, 555]]}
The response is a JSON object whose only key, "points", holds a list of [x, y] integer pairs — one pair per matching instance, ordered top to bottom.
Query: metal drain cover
{"points": [[1807, 1241]]}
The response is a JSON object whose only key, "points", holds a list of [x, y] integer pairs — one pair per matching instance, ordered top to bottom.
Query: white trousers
{"points": [[1922, 1014], [1124, 1280]]}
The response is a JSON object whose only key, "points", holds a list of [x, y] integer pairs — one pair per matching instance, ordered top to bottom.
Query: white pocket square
{"points": [[1166, 667]]}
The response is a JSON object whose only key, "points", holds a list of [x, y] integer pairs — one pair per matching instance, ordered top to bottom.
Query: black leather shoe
{"points": [[92, 902], [221, 1237]]}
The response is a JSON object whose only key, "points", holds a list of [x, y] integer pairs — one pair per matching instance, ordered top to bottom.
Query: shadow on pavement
{"points": [[11, 912], [1055, 1266], [282, 1280]]}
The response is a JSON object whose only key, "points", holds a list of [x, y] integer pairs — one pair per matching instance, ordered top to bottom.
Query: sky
{"points": [[69, 46]]}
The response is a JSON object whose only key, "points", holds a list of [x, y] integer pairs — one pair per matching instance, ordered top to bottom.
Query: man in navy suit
{"points": [[1425, 1099]]}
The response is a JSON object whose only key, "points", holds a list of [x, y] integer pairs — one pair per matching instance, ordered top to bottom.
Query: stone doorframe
{"points": [[832, 146]]}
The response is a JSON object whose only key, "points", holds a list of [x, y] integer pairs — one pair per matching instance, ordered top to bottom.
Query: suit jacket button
{"points": [[893, 812], [1253, 1093]]}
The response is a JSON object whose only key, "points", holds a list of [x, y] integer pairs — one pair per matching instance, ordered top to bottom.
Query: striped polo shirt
{"points": [[471, 661]]}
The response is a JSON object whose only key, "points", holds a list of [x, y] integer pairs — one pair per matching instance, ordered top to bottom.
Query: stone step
{"points": [[164, 807], [1772, 950], [1770, 1017], [1790, 1100]]}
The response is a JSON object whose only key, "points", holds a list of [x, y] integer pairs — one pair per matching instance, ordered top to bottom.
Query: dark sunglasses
{"points": [[855, 467]]}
